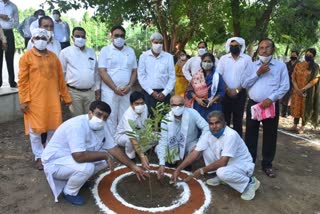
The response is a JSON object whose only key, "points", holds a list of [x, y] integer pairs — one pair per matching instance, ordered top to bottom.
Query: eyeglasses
{"points": [[119, 35], [78, 36], [40, 38], [154, 42], [265, 48], [179, 104]]}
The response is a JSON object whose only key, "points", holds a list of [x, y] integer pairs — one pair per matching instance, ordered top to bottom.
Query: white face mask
{"points": [[40, 16], [56, 17], [80, 42], [119, 42], [40, 44], [157, 48], [202, 51], [184, 57], [265, 59], [207, 65], [139, 109], [177, 110], [96, 124]]}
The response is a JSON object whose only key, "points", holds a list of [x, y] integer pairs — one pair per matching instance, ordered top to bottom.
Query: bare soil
{"points": [[296, 189]]}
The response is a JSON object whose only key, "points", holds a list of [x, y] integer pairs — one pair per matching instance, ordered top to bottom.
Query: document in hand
{"points": [[259, 113]]}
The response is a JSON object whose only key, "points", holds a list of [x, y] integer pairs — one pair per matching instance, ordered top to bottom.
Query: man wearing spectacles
{"points": [[79, 65], [117, 66], [231, 66], [267, 82]]}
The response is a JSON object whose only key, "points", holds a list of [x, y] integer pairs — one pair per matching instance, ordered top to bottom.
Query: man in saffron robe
{"points": [[41, 84]]}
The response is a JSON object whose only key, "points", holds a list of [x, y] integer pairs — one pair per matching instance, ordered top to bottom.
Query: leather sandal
{"points": [[269, 172]]}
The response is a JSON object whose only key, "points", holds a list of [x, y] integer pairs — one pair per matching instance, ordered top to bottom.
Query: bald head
{"points": [[176, 100]]}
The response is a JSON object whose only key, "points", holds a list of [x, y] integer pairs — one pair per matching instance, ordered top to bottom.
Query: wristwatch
{"points": [[237, 91]]}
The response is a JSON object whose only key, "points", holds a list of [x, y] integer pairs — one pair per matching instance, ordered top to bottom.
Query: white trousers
{"points": [[118, 104], [124, 141], [36, 144], [76, 174], [235, 176]]}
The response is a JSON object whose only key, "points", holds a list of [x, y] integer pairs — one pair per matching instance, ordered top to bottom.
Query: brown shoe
{"points": [[38, 164]]}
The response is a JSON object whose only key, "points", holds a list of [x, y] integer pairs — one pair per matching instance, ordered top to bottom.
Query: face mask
{"points": [[40, 16], [56, 17], [50, 34], [80, 42], [119, 42], [40, 44], [157, 48], [235, 49], [202, 51], [183, 57], [293, 58], [308, 58], [265, 59], [207, 65], [139, 109], [177, 110], [96, 123], [218, 134]]}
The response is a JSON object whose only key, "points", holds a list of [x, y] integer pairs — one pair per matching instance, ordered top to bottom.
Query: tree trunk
{"points": [[235, 12]]}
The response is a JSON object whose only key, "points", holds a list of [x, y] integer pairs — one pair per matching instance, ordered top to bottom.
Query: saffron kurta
{"points": [[41, 83]]}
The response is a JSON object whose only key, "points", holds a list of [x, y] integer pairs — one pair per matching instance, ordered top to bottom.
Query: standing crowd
{"points": [[207, 97]]}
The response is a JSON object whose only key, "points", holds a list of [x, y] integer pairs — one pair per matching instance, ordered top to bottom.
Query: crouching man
{"points": [[138, 113], [181, 134], [80, 147], [223, 150]]}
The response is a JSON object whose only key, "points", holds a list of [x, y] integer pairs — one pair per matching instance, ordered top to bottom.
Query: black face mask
{"points": [[235, 49], [293, 58], [308, 58]]}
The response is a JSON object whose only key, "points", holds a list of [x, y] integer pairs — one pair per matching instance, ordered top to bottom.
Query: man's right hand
{"points": [[4, 17], [263, 69], [155, 95], [24, 107], [145, 162], [160, 172], [140, 173], [175, 175]]}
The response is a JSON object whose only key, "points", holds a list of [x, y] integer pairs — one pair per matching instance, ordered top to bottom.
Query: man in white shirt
{"points": [[9, 19], [46, 22], [35, 24], [24, 27], [61, 29], [79, 65], [117, 66], [231, 66], [156, 73], [267, 82], [137, 112], [180, 135], [80, 147], [225, 152]]}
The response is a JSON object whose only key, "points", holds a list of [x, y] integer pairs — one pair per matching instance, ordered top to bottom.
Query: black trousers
{"points": [[9, 55], [151, 102], [233, 107], [269, 136]]}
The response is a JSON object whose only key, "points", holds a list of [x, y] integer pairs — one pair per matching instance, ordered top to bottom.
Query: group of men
{"points": [[85, 144]]}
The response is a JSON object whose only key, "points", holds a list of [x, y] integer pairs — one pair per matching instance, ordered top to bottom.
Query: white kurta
{"points": [[188, 129], [72, 136], [121, 138], [240, 166]]}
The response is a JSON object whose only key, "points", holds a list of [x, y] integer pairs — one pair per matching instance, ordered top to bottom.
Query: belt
{"points": [[79, 89]]}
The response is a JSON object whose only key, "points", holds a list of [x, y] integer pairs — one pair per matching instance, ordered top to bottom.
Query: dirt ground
{"points": [[296, 189]]}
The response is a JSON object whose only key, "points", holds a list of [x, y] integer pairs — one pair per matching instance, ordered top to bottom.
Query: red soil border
{"points": [[196, 200]]}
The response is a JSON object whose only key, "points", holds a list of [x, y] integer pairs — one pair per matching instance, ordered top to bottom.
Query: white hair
{"points": [[156, 35]]}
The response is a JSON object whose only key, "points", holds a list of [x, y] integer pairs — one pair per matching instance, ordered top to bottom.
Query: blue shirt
{"points": [[273, 84]]}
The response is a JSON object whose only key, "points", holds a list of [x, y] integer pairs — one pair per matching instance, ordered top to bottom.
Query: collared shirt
{"points": [[11, 10], [24, 27], [61, 31], [53, 46], [119, 64], [191, 66], [80, 67], [231, 69], [156, 72], [273, 84], [130, 114], [229, 144]]}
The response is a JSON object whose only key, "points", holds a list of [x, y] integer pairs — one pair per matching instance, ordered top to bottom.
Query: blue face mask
{"points": [[218, 134]]}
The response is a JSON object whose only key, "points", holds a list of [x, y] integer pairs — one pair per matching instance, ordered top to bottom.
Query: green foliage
{"points": [[170, 155]]}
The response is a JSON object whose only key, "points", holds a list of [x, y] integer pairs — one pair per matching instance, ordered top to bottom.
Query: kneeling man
{"points": [[138, 113], [180, 134], [79, 148], [223, 150]]}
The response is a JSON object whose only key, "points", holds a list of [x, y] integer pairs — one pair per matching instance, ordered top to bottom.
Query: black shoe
{"points": [[13, 85]]}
